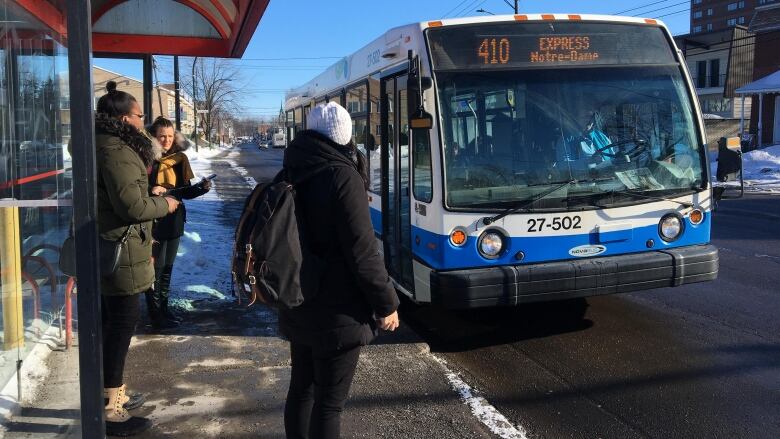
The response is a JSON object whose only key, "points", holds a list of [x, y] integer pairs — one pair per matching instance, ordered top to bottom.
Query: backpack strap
{"points": [[238, 275]]}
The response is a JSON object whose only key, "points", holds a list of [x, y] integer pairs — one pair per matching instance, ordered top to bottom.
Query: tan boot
{"points": [[130, 402], [114, 410], [118, 421]]}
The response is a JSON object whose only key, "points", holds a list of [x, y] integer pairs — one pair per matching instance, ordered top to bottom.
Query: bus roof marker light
{"points": [[521, 17], [548, 17], [575, 17], [651, 21], [435, 24]]}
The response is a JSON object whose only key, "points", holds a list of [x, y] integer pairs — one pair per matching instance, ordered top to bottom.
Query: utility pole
{"points": [[516, 9], [177, 98], [195, 102]]}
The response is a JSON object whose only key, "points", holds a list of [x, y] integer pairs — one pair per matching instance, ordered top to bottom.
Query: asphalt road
{"points": [[696, 361]]}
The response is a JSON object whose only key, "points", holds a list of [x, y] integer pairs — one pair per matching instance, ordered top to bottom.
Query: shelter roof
{"points": [[214, 28], [767, 84]]}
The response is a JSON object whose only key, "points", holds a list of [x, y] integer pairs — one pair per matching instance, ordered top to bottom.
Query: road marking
{"points": [[488, 415]]}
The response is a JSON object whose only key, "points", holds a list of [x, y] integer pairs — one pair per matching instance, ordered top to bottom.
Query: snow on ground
{"points": [[761, 167], [250, 181], [202, 268]]}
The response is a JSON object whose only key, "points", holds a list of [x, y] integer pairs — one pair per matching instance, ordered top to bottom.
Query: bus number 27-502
{"points": [[556, 223]]}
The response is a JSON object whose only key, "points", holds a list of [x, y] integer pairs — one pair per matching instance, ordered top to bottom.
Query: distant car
{"points": [[263, 145]]}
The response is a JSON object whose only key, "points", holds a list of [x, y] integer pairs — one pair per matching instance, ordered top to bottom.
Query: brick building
{"points": [[715, 15]]}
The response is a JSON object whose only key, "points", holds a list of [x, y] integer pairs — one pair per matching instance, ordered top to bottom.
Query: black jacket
{"points": [[172, 225], [355, 288]]}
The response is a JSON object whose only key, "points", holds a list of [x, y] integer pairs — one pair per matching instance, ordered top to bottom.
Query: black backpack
{"points": [[271, 262]]}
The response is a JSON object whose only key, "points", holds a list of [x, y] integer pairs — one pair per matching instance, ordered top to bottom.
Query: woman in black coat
{"points": [[172, 173], [355, 295]]}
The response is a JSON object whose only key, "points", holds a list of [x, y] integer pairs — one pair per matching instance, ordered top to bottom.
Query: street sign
{"points": [[203, 111]]}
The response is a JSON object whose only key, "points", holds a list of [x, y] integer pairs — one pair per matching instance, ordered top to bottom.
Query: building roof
{"points": [[765, 19], [212, 28], [705, 40], [767, 84]]}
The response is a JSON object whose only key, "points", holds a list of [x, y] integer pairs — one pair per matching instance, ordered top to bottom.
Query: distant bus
{"points": [[278, 139], [527, 158]]}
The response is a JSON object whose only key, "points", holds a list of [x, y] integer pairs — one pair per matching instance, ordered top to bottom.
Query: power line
{"points": [[471, 7], [640, 7], [665, 7], [453, 9], [673, 13]]}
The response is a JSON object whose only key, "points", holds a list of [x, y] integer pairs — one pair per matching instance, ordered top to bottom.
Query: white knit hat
{"points": [[332, 121]]}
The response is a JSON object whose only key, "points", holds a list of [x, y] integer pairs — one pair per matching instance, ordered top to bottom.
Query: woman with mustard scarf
{"points": [[172, 173]]}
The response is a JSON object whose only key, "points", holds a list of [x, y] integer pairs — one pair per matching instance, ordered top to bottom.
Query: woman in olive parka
{"points": [[124, 154]]}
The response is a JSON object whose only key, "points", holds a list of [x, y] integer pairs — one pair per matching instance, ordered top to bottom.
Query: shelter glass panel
{"points": [[35, 206]]}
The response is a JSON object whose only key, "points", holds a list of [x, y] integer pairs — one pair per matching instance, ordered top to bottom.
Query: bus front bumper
{"points": [[513, 285]]}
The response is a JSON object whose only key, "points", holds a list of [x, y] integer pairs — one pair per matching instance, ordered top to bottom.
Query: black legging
{"points": [[164, 257], [120, 315], [319, 386]]}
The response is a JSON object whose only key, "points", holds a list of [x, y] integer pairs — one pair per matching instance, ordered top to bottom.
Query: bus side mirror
{"points": [[421, 120]]}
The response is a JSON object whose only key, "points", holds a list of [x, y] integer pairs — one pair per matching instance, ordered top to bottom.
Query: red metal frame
{"points": [[47, 13], [249, 14], [242, 28], [159, 45]]}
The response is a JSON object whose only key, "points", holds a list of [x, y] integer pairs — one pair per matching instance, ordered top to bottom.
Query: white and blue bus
{"points": [[527, 158]]}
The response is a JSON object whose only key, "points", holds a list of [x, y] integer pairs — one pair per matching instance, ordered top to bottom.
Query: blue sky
{"points": [[317, 33]]}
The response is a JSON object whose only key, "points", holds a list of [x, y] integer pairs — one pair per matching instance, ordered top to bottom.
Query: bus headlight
{"points": [[670, 228], [491, 244]]}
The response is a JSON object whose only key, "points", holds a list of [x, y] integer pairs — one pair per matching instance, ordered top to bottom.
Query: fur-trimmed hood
{"points": [[147, 148]]}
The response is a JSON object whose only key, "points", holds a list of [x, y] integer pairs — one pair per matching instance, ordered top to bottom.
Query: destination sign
{"points": [[506, 45]]}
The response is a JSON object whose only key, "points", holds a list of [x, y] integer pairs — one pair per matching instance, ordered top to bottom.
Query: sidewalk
{"points": [[224, 372]]}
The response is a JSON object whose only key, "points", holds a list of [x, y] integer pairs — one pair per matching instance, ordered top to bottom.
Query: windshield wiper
{"points": [[650, 197], [527, 202]]}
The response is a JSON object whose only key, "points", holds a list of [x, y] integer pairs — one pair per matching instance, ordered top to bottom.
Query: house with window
{"points": [[719, 62]]}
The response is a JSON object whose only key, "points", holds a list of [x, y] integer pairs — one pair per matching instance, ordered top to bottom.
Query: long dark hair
{"points": [[115, 103]]}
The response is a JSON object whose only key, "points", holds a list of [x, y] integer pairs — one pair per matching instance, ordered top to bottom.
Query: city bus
{"points": [[527, 158]]}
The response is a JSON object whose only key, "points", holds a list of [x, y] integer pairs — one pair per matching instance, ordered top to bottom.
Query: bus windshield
{"points": [[614, 130]]}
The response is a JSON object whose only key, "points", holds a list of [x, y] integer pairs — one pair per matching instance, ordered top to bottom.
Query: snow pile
{"points": [[761, 168], [250, 181]]}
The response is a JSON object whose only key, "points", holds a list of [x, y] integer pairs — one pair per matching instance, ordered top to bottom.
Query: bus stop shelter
{"points": [[53, 42], [768, 85]]}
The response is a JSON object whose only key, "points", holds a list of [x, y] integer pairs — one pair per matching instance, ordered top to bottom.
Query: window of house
{"points": [[696, 2], [740, 5], [731, 7], [710, 12], [697, 14], [741, 20], [731, 22], [709, 26], [697, 29], [715, 73], [701, 74]]}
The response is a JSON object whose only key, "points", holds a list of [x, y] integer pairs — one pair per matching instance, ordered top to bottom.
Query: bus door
{"points": [[396, 202]]}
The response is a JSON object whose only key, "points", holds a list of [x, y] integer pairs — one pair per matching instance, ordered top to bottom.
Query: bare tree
{"points": [[215, 83]]}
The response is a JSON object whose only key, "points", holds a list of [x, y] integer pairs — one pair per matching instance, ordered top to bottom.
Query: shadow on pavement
{"points": [[464, 330]]}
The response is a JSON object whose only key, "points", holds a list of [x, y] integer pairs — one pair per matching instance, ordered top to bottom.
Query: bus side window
{"points": [[422, 176]]}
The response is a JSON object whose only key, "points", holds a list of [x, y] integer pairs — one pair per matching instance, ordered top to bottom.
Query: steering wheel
{"points": [[639, 148], [490, 171]]}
